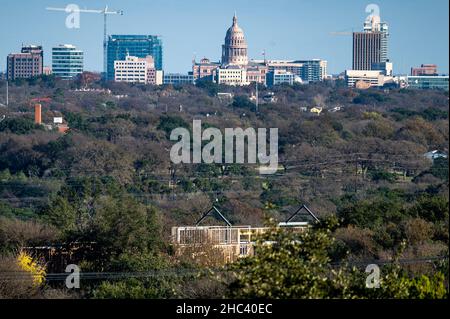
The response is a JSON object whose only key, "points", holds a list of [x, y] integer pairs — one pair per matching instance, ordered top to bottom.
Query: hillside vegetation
{"points": [[110, 180]]}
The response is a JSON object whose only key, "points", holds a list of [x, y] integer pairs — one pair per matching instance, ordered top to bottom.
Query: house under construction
{"points": [[231, 241]]}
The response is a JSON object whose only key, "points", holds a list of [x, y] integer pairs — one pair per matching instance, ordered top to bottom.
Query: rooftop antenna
{"points": [[105, 13]]}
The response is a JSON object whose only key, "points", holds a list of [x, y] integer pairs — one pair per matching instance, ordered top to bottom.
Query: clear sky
{"points": [[286, 29]]}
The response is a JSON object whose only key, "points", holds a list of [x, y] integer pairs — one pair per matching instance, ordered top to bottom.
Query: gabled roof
{"points": [[213, 210]]}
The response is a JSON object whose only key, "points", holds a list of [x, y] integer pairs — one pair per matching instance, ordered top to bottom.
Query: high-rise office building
{"points": [[371, 45], [141, 46], [67, 61], [28, 63], [313, 70]]}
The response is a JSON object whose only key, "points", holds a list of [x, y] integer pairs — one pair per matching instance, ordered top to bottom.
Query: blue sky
{"points": [[286, 29]]}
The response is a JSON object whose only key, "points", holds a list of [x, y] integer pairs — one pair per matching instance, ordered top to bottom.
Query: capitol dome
{"points": [[234, 51]]}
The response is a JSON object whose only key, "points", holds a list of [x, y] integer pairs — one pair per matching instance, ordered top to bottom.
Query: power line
{"points": [[21, 275]]}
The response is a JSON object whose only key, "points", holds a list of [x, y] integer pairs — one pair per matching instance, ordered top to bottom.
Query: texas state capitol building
{"points": [[235, 68]]}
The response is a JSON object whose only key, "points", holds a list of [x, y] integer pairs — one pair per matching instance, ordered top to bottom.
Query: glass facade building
{"points": [[119, 46], [67, 61], [313, 70], [309, 71], [178, 79], [428, 82]]}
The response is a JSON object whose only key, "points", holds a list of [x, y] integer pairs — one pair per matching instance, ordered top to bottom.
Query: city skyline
{"points": [[196, 28]]}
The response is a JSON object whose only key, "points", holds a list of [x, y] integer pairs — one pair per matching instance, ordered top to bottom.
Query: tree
{"points": [[209, 86], [243, 102], [168, 123], [19, 125], [440, 168], [431, 208], [124, 225], [290, 265], [297, 265]]}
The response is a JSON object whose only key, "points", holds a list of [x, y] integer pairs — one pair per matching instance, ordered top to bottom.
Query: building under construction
{"points": [[232, 242]]}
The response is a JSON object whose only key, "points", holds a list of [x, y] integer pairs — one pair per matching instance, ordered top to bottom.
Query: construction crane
{"points": [[105, 13], [345, 32], [341, 33]]}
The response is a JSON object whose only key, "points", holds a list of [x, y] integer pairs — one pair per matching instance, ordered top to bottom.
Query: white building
{"points": [[137, 70], [314, 70], [381, 74], [232, 75], [357, 78]]}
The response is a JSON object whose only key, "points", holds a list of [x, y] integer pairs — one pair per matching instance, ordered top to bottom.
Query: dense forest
{"points": [[108, 186]]}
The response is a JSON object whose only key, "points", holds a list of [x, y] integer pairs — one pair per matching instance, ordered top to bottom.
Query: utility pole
{"points": [[7, 93], [257, 98], [356, 175]]}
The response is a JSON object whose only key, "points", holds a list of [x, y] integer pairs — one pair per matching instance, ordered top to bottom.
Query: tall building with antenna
{"points": [[370, 46]]}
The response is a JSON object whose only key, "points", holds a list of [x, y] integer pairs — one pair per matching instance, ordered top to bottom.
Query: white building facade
{"points": [[137, 70], [235, 76]]}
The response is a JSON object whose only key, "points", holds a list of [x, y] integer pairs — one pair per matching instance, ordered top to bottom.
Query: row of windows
{"points": [[17, 60], [68, 60], [130, 64], [68, 65], [133, 67], [67, 69], [131, 73]]}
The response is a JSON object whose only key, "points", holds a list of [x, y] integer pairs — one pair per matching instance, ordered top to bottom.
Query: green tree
{"points": [[242, 101], [168, 123], [19, 125], [440, 168], [124, 225], [290, 265], [297, 265]]}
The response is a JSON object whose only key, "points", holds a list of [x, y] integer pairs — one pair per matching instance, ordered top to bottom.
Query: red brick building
{"points": [[27, 64], [425, 69]]}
